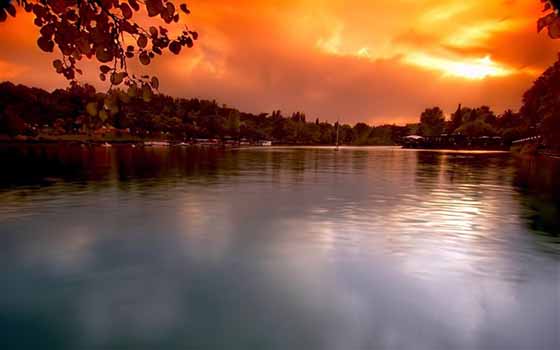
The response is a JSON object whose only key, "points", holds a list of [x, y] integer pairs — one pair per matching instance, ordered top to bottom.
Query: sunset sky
{"points": [[372, 61]]}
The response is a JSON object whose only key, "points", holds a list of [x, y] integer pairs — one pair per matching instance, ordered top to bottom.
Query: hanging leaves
{"points": [[551, 20], [104, 30]]}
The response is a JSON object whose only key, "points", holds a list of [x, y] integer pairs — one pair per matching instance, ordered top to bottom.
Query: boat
{"points": [[337, 127], [156, 143]]}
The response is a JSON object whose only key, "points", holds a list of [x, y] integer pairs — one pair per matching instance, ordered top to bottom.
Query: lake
{"points": [[277, 248]]}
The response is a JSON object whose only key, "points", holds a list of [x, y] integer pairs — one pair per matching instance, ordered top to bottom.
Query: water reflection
{"points": [[274, 248]]}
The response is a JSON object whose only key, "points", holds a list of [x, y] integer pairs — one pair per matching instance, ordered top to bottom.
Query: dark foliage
{"points": [[81, 110]]}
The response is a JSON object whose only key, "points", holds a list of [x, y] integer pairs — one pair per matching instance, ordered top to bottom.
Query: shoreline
{"points": [[158, 143]]}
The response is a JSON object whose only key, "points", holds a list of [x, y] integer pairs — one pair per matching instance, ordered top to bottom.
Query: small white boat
{"points": [[156, 143]]}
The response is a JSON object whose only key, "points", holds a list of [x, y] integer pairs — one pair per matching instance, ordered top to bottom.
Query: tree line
{"points": [[80, 109]]}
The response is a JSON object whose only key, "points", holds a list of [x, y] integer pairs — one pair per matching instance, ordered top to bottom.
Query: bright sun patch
{"points": [[475, 69]]}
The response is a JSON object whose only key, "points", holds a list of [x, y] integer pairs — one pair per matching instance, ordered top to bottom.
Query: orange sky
{"points": [[372, 61]]}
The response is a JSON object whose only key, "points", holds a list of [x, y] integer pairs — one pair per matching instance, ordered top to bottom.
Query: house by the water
{"points": [[455, 141]]}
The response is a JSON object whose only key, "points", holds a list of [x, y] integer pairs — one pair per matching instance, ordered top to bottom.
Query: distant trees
{"points": [[82, 110], [432, 122], [476, 122]]}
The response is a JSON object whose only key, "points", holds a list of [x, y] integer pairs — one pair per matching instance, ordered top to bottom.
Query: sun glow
{"points": [[475, 69]]}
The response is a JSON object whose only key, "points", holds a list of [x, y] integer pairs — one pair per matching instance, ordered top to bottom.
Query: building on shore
{"points": [[455, 141]]}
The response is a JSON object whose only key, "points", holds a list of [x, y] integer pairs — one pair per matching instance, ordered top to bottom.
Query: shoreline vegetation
{"points": [[80, 114]]}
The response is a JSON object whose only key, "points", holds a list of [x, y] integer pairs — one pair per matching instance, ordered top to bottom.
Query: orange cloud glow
{"points": [[372, 61]]}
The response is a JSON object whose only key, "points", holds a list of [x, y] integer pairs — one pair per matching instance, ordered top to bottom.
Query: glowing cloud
{"points": [[373, 61], [478, 68]]}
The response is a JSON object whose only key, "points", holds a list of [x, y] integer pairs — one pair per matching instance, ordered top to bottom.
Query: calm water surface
{"points": [[280, 248]]}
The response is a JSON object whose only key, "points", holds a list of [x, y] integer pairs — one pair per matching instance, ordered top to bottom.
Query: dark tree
{"points": [[541, 105], [432, 122]]}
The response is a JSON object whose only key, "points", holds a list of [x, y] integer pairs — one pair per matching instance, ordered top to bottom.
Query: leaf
{"points": [[134, 5], [58, 6], [154, 7], [184, 8], [170, 9], [11, 10], [126, 11], [3, 15], [545, 21], [554, 29], [47, 31], [154, 32], [142, 41], [45, 44], [175, 47], [103, 55], [144, 58], [57, 64], [104, 69], [69, 73], [102, 77], [117, 78], [155, 83], [91, 108]]}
